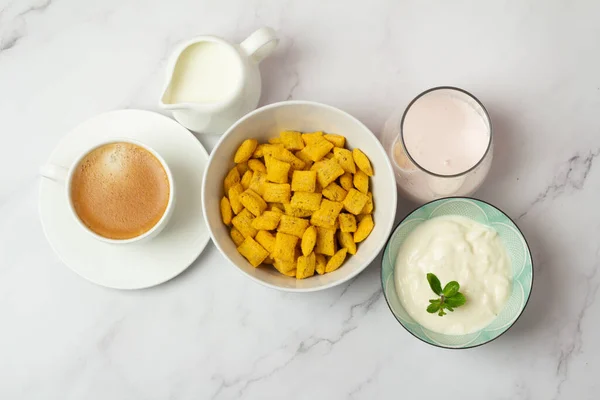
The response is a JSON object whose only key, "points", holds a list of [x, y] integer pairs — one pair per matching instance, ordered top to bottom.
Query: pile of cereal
{"points": [[292, 210]]}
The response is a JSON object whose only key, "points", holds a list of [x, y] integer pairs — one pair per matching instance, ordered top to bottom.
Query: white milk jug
{"points": [[211, 83]]}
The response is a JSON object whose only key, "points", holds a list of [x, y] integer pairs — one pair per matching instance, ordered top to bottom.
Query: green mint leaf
{"points": [[434, 283], [451, 289], [449, 299], [456, 301], [433, 308]]}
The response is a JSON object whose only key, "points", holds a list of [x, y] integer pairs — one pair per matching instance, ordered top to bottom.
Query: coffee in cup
{"points": [[120, 190]]}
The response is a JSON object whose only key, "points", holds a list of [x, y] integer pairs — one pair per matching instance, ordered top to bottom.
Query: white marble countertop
{"points": [[211, 333]]}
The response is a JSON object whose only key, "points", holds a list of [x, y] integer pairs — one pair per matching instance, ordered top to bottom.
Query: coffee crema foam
{"points": [[120, 190]]}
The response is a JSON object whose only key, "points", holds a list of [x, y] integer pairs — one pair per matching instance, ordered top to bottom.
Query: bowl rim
{"points": [[379, 247], [528, 250]]}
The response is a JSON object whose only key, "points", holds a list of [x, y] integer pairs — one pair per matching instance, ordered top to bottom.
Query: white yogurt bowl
{"points": [[305, 116]]}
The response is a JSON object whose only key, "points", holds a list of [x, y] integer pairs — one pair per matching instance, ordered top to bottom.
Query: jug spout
{"points": [[166, 99]]}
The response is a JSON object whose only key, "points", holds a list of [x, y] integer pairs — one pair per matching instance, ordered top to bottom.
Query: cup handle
{"points": [[260, 44], [54, 172]]}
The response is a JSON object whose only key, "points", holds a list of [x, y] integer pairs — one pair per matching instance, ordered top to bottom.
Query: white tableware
{"points": [[216, 117], [267, 122], [63, 176], [138, 265]]}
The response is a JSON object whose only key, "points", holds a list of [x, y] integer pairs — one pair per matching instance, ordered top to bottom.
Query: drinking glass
{"points": [[414, 181]]}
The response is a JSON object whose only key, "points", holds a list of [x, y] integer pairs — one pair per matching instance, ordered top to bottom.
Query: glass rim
{"points": [[487, 117]]}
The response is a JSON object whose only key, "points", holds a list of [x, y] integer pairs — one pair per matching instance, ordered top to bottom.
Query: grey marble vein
{"points": [[40, 6], [15, 33], [10, 41], [295, 76], [296, 82], [572, 176], [344, 291], [364, 306], [109, 336], [311, 342], [575, 344], [305, 346], [369, 379], [247, 382]]}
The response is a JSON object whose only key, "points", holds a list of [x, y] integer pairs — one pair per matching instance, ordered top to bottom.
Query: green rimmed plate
{"points": [[516, 246]]}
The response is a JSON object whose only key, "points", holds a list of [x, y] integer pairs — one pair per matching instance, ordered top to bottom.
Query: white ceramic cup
{"points": [[64, 175]]}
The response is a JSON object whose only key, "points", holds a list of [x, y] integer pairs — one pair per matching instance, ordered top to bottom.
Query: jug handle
{"points": [[260, 44]]}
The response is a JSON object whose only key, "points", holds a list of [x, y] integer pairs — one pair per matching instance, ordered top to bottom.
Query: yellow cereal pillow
{"points": [[312, 137], [292, 140], [336, 140], [318, 149], [244, 152], [345, 159], [362, 162], [257, 165], [277, 171], [328, 172], [233, 177], [246, 179], [304, 181], [346, 181], [257, 182], [361, 182], [276, 192], [334, 192], [234, 197], [306, 201], [355, 201], [253, 202], [368, 208], [226, 212], [296, 212], [326, 215], [267, 221], [347, 222], [243, 223], [292, 225], [365, 226], [236, 236], [309, 239], [266, 240], [346, 240], [325, 241], [285, 247], [253, 252], [336, 261], [321, 263], [305, 266], [285, 267]]}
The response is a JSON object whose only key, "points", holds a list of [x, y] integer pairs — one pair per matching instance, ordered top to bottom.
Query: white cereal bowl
{"points": [[304, 116]]}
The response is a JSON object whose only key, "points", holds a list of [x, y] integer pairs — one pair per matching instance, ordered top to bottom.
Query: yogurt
{"points": [[454, 248]]}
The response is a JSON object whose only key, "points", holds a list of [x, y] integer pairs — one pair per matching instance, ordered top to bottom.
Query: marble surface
{"points": [[211, 333]]}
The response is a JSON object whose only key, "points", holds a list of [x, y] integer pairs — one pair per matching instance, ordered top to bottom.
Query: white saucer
{"points": [[131, 266]]}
